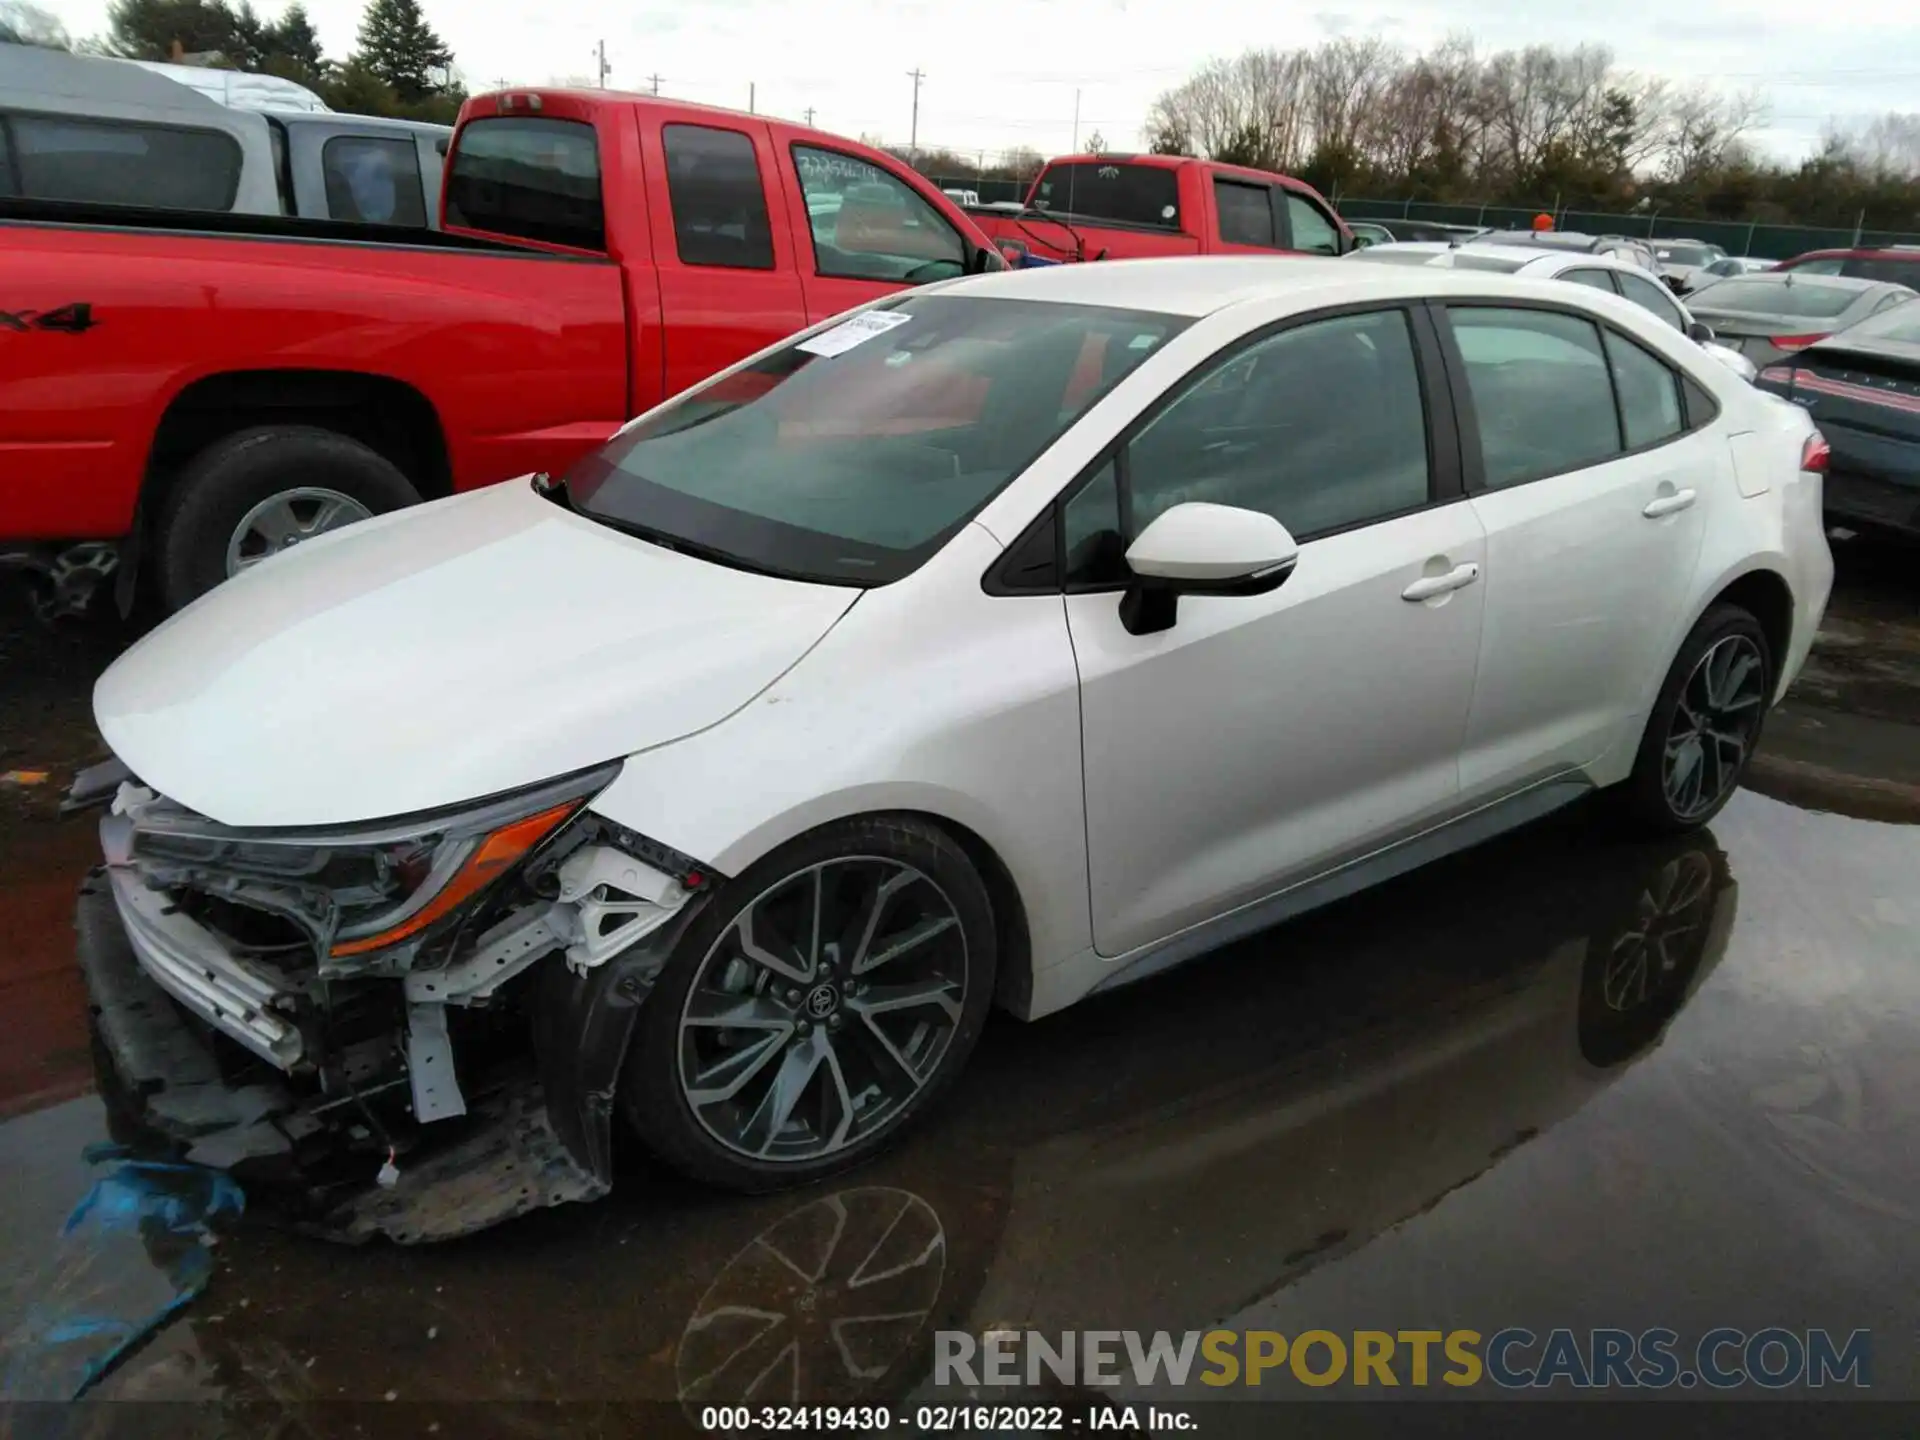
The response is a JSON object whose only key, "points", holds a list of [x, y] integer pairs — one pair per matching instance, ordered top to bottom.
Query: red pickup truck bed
{"points": [[213, 387]]}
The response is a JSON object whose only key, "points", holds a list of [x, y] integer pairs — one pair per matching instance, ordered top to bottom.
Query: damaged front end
{"points": [[421, 1021]]}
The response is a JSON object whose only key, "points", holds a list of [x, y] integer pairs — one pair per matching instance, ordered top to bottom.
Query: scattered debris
{"points": [[23, 777], [130, 1257]]}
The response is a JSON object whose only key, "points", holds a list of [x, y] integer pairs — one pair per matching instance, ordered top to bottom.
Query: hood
{"points": [[440, 654]]}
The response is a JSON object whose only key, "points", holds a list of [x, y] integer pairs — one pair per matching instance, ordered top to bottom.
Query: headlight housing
{"points": [[363, 889]]}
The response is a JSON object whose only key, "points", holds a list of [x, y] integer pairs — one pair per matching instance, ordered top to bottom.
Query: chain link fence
{"points": [[1767, 242]]}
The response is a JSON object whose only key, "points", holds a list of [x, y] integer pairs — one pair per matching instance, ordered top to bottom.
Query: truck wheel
{"points": [[261, 491]]}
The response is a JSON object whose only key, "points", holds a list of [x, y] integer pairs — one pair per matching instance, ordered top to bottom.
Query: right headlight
{"points": [[390, 881]]}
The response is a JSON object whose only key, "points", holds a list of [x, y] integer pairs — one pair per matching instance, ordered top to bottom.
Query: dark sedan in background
{"points": [[1769, 316], [1862, 388]]}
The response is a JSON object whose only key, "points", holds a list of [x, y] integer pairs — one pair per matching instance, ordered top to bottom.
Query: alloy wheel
{"points": [[282, 521], [1714, 726], [823, 1009]]}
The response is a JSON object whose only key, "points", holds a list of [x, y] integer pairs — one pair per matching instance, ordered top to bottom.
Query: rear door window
{"points": [[116, 162], [372, 179], [536, 179], [9, 185], [1130, 194], [719, 200], [1246, 212], [1313, 230], [1596, 279], [1542, 392]]}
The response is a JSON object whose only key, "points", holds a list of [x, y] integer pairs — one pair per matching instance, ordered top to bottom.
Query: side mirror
{"points": [[986, 259], [1700, 332], [1200, 549]]}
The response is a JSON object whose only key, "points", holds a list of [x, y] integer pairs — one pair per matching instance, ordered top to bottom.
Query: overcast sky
{"points": [[1001, 74]]}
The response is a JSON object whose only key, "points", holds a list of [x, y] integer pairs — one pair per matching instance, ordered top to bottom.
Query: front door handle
{"points": [[1667, 504], [1431, 585]]}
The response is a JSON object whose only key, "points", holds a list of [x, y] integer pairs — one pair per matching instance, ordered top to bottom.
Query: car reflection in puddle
{"points": [[1190, 1149]]}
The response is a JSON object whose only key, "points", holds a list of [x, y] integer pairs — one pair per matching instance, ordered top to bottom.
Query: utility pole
{"points": [[601, 51], [654, 80], [751, 108], [808, 115], [1076, 122], [913, 135]]}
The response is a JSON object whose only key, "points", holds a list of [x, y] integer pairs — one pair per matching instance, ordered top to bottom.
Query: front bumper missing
{"points": [[505, 1159]]}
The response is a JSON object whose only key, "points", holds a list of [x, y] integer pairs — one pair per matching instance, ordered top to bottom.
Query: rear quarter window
{"points": [[116, 162], [373, 179], [535, 179], [1899, 271]]}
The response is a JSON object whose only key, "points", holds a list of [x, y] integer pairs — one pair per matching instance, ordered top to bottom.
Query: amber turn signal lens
{"points": [[497, 853]]}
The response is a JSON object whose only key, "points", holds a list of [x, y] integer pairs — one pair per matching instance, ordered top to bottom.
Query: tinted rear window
{"points": [[122, 163], [537, 179], [375, 180], [1131, 194], [1902, 270], [1754, 296]]}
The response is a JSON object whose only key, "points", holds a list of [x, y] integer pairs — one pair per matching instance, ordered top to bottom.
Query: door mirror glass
{"points": [[1201, 549]]}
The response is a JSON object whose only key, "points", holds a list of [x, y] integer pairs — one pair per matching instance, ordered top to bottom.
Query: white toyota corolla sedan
{"points": [[1008, 641]]}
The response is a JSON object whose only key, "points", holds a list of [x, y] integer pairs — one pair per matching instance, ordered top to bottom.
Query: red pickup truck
{"points": [[1120, 207], [204, 390]]}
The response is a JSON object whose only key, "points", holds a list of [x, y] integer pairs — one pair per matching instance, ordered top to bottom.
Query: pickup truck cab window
{"points": [[121, 162], [537, 179], [374, 180], [1128, 194], [719, 199], [1246, 212], [869, 225], [1313, 231]]}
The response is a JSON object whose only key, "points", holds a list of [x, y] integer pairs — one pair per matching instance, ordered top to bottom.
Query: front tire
{"points": [[1705, 724], [824, 1002]]}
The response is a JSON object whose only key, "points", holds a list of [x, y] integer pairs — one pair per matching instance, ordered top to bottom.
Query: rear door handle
{"points": [[1667, 504], [1432, 585]]}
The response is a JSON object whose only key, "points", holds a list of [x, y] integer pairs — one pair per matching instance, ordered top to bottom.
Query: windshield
{"points": [[1130, 194], [1678, 252], [1754, 295], [850, 457]]}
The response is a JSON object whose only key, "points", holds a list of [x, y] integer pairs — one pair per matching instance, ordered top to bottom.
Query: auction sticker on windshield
{"points": [[857, 331]]}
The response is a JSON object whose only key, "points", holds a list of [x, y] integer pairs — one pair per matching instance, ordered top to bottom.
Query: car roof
{"points": [[341, 120], [1510, 252], [1197, 285]]}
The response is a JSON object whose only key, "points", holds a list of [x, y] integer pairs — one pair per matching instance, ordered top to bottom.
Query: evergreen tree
{"points": [[148, 29], [294, 40], [398, 46]]}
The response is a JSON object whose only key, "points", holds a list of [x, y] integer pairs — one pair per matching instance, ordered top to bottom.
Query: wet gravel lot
{"points": [[1565, 1080]]}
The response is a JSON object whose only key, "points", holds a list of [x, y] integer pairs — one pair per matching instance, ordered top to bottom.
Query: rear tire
{"points": [[301, 473], [1705, 725], [773, 1050]]}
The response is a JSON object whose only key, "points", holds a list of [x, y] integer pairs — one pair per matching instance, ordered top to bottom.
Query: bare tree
{"points": [[1704, 128], [1887, 146]]}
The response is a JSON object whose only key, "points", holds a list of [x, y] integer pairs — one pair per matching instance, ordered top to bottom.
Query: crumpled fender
{"points": [[582, 1026]]}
